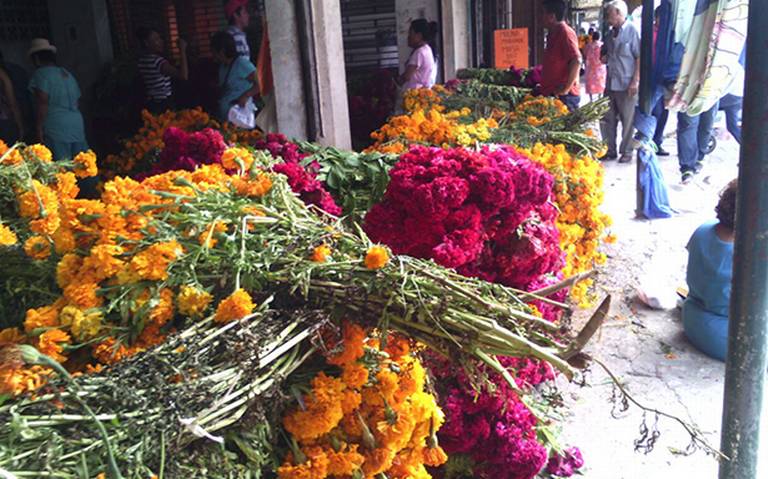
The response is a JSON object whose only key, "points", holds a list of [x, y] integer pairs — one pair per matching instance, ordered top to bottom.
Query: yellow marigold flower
{"points": [[39, 152], [236, 158], [85, 164], [66, 185], [7, 236], [37, 247], [320, 253], [376, 257], [153, 262], [68, 269], [83, 294], [193, 302], [236, 306], [82, 325], [11, 336], [50, 344]]}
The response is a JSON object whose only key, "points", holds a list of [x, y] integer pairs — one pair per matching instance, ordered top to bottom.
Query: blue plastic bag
{"points": [[655, 198]]}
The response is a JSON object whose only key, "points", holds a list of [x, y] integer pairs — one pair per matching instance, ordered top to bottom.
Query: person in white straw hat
{"points": [[59, 124]]}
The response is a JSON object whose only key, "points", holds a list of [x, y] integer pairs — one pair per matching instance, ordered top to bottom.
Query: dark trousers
{"points": [[571, 101], [731, 105], [157, 107], [661, 114], [693, 134]]}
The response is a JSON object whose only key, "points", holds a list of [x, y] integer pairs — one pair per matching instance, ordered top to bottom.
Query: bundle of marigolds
{"points": [[141, 151], [156, 256], [372, 417]]}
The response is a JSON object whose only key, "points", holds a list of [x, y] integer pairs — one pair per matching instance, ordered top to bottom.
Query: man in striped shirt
{"points": [[238, 17], [156, 72]]}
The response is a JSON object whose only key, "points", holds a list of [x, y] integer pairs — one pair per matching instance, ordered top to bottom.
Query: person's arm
{"points": [[410, 71], [181, 73], [573, 74], [634, 84], [251, 92], [9, 94], [41, 100]]}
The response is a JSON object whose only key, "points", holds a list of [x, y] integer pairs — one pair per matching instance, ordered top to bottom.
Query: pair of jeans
{"points": [[571, 101], [731, 105], [622, 108], [661, 114], [693, 135]]}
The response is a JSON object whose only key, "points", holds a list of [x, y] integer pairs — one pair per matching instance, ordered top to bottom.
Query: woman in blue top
{"points": [[237, 75], [59, 124], [710, 264]]}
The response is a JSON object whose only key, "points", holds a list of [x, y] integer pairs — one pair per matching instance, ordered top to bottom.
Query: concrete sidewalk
{"points": [[645, 348]]}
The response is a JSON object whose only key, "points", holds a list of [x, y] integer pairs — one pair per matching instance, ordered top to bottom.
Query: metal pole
{"points": [[646, 87], [747, 360]]}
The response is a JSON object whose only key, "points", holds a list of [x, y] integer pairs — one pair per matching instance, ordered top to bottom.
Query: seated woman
{"points": [[710, 264]]}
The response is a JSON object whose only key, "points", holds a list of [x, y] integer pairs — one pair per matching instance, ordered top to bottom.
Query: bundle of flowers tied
{"points": [[190, 304]]}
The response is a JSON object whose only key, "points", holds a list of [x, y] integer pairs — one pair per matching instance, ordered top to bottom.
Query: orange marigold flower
{"points": [[39, 152], [11, 158], [236, 158], [85, 164], [66, 185], [254, 187], [29, 201], [46, 226], [7, 236], [207, 238], [64, 240], [37, 247], [320, 254], [376, 257], [153, 262], [103, 263], [68, 269], [83, 294], [193, 302], [236, 306], [163, 311], [43, 317], [354, 338], [50, 344], [111, 351], [354, 375], [16, 381], [350, 401], [322, 410], [435, 456], [377, 461], [344, 462], [315, 467]]}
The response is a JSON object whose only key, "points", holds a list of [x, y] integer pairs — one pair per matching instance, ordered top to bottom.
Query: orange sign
{"points": [[511, 48]]}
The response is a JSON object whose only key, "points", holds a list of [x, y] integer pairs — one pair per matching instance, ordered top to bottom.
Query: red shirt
{"points": [[562, 47]]}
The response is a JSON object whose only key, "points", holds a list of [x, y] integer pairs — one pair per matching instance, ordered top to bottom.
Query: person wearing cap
{"points": [[238, 18], [59, 123]]}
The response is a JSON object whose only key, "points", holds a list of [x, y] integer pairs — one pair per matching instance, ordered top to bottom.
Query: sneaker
{"points": [[609, 157], [626, 158], [698, 167], [687, 177]]}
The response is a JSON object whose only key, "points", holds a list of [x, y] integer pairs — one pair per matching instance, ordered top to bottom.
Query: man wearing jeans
{"points": [[622, 55], [562, 58]]}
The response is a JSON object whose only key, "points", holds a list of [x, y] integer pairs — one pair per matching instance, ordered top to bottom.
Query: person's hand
{"points": [[183, 44], [633, 89]]}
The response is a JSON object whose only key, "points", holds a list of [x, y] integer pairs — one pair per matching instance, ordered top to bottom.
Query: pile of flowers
{"points": [[526, 77], [417, 99], [371, 102], [539, 110], [431, 127], [186, 151], [140, 152], [578, 193], [485, 213], [373, 417], [489, 432]]}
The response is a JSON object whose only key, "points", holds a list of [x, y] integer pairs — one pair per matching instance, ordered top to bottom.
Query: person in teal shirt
{"points": [[237, 75], [59, 124], [710, 265]]}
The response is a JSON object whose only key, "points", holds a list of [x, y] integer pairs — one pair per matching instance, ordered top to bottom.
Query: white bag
{"points": [[243, 117]]}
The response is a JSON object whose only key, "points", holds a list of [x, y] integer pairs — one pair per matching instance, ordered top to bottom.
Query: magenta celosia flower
{"points": [[566, 464]]}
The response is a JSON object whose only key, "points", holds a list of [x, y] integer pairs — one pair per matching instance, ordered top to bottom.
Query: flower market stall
{"points": [[237, 305]]}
